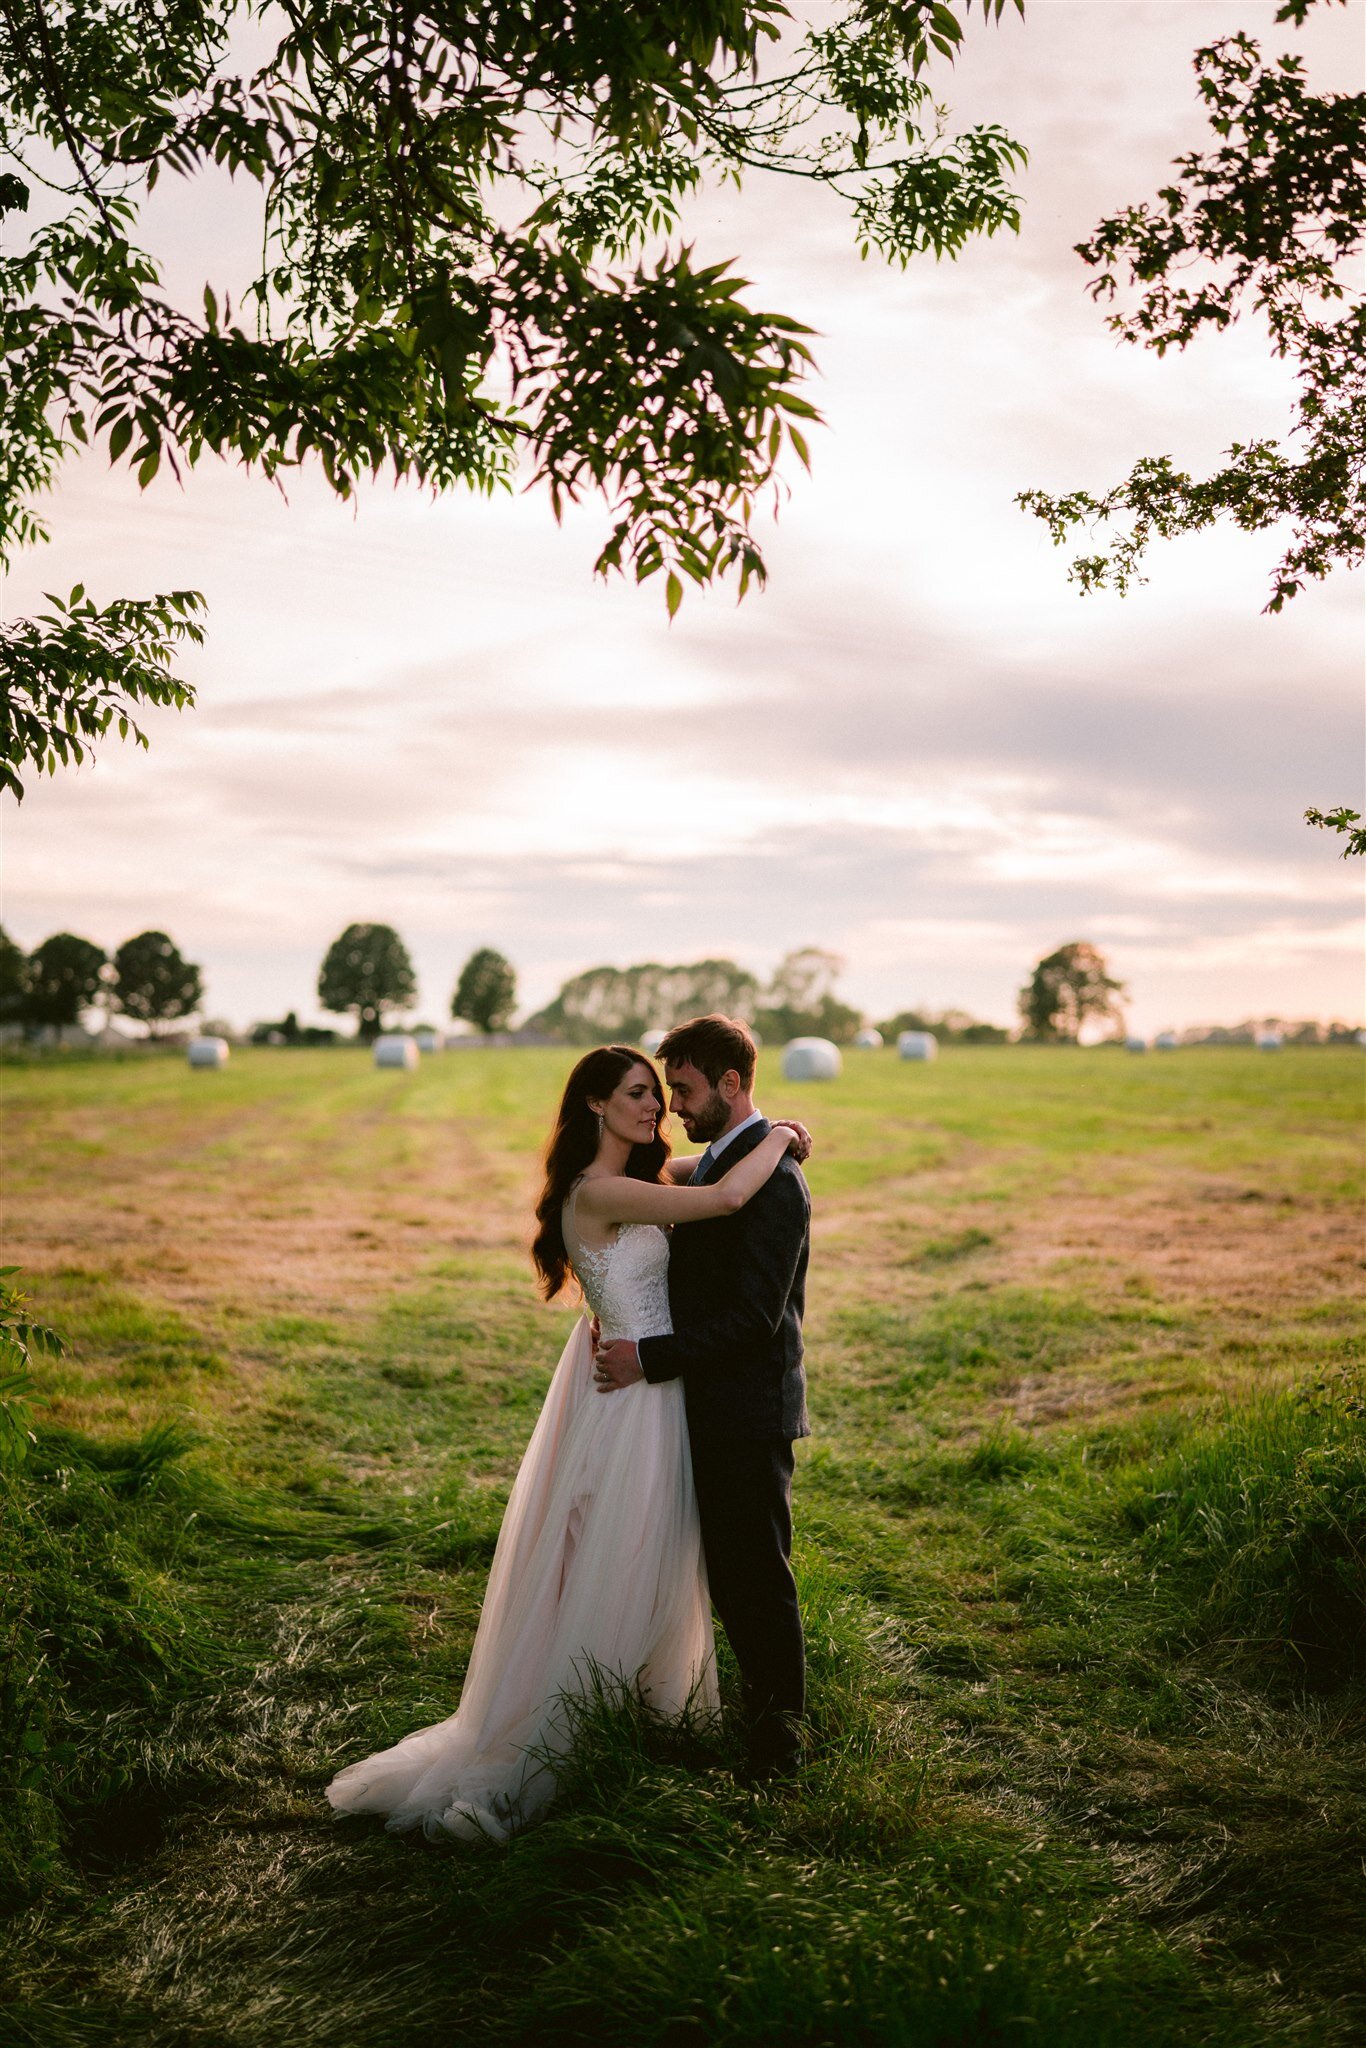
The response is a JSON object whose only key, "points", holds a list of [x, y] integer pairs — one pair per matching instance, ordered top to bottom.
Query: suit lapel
{"points": [[734, 1153]]}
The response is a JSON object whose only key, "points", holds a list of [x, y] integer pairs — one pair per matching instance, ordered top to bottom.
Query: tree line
{"points": [[367, 972], [146, 979], [1067, 989]]}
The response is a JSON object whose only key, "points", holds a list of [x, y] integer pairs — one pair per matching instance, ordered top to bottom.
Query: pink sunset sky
{"points": [[920, 746]]}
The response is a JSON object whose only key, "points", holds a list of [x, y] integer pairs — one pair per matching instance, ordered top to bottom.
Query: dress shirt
{"points": [[718, 1145]]}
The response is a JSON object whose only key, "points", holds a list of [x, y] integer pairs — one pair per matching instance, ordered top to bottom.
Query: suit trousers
{"points": [[744, 1500]]}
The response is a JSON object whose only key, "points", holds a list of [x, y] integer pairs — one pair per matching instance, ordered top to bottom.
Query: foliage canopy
{"points": [[1270, 221], [467, 268], [367, 970], [64, 978], [13, 980], [153, 984], [1066, 989], [486, 991], [801, 1001], [625, 1002]]}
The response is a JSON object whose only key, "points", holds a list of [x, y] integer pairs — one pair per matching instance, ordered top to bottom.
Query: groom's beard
{"points": [[710, 1119]]}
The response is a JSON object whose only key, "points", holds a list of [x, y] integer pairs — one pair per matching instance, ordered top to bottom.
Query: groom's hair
{"points": [[715, 1045]]}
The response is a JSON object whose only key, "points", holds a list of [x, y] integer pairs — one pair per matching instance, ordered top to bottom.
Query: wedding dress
{"points": [[598, 1569]]}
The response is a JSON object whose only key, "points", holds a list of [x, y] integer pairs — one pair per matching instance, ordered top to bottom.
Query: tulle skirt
{"points": [[598, 1574]]}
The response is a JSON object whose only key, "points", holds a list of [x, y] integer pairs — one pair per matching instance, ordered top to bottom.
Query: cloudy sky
{"points": [[919, 746]]}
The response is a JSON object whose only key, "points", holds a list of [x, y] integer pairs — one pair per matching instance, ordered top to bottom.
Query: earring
{"points": [[601, 1123]]}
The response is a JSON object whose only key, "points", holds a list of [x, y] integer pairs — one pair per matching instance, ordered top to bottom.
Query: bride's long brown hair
{"points": [[573, 1146]]}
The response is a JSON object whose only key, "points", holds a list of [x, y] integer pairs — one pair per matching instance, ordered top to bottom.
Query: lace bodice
{"points": [[626, 1284]]}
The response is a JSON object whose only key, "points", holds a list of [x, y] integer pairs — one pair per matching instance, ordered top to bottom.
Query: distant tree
{"points": [[367, 970], [64, 976], [13, 980], [153, 984], [1067, 988], [486, 991], [800, 1001], [625, 1002], [907, 1020], [952, 1025], [289, 1031]]}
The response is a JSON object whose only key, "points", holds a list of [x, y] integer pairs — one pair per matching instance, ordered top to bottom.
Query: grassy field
{"points": [[1080, 1532]]}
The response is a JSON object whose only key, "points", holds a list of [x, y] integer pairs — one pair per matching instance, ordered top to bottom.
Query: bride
{"points": [[598, 1570]]}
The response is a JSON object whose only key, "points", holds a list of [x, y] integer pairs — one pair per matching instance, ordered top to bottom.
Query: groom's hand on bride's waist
{"points": [[616, 1364]]}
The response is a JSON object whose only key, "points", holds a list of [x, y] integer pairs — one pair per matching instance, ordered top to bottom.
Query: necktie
{"points": [[704, 1165]]}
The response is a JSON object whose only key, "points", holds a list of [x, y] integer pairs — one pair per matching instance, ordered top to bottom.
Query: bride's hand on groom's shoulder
{"points": [[802, 1141]]}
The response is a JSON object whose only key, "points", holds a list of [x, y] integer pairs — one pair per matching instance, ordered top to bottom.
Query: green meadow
{"points": [[1081, 1540]]}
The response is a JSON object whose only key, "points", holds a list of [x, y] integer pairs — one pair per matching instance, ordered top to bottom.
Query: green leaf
{"points": [[673, 593]]}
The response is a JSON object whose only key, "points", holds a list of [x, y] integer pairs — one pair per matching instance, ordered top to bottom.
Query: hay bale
{"points": [[868, 1039], [429, 1041], [652, 1041], [1166, 1041], [1268, 1041], [918, 1045], [1135, 1045], [396, 1049], [209, 1052], [811, 1059]]}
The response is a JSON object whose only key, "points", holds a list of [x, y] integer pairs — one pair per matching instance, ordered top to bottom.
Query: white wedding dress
{"points": [[598, 1569]]}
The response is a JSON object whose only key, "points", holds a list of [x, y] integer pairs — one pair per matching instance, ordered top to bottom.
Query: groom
{"points": [[737, 1286]]}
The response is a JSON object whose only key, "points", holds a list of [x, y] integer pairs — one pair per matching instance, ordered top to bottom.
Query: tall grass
{"points": [[1260, 1518], [96, 1634], [662, 1901]]}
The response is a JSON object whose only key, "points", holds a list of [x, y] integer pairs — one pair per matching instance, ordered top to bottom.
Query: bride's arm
{"points": [[620, 1200]]}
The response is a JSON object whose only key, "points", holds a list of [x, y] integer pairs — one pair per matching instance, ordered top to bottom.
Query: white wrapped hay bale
{"points": [[868, 1039], [429, 1041], [652, 1041], [1165, 1041], [1268, 1041], [918, 1045], [1135, 1045], [396, 1049], [208, 1052], [811, 1059]]}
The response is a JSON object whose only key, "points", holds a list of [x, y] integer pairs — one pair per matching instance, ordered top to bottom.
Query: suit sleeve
{"points": [[765, 1269]]}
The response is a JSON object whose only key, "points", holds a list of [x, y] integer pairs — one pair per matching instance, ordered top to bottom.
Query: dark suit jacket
{"points": [[737, 1288]]}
